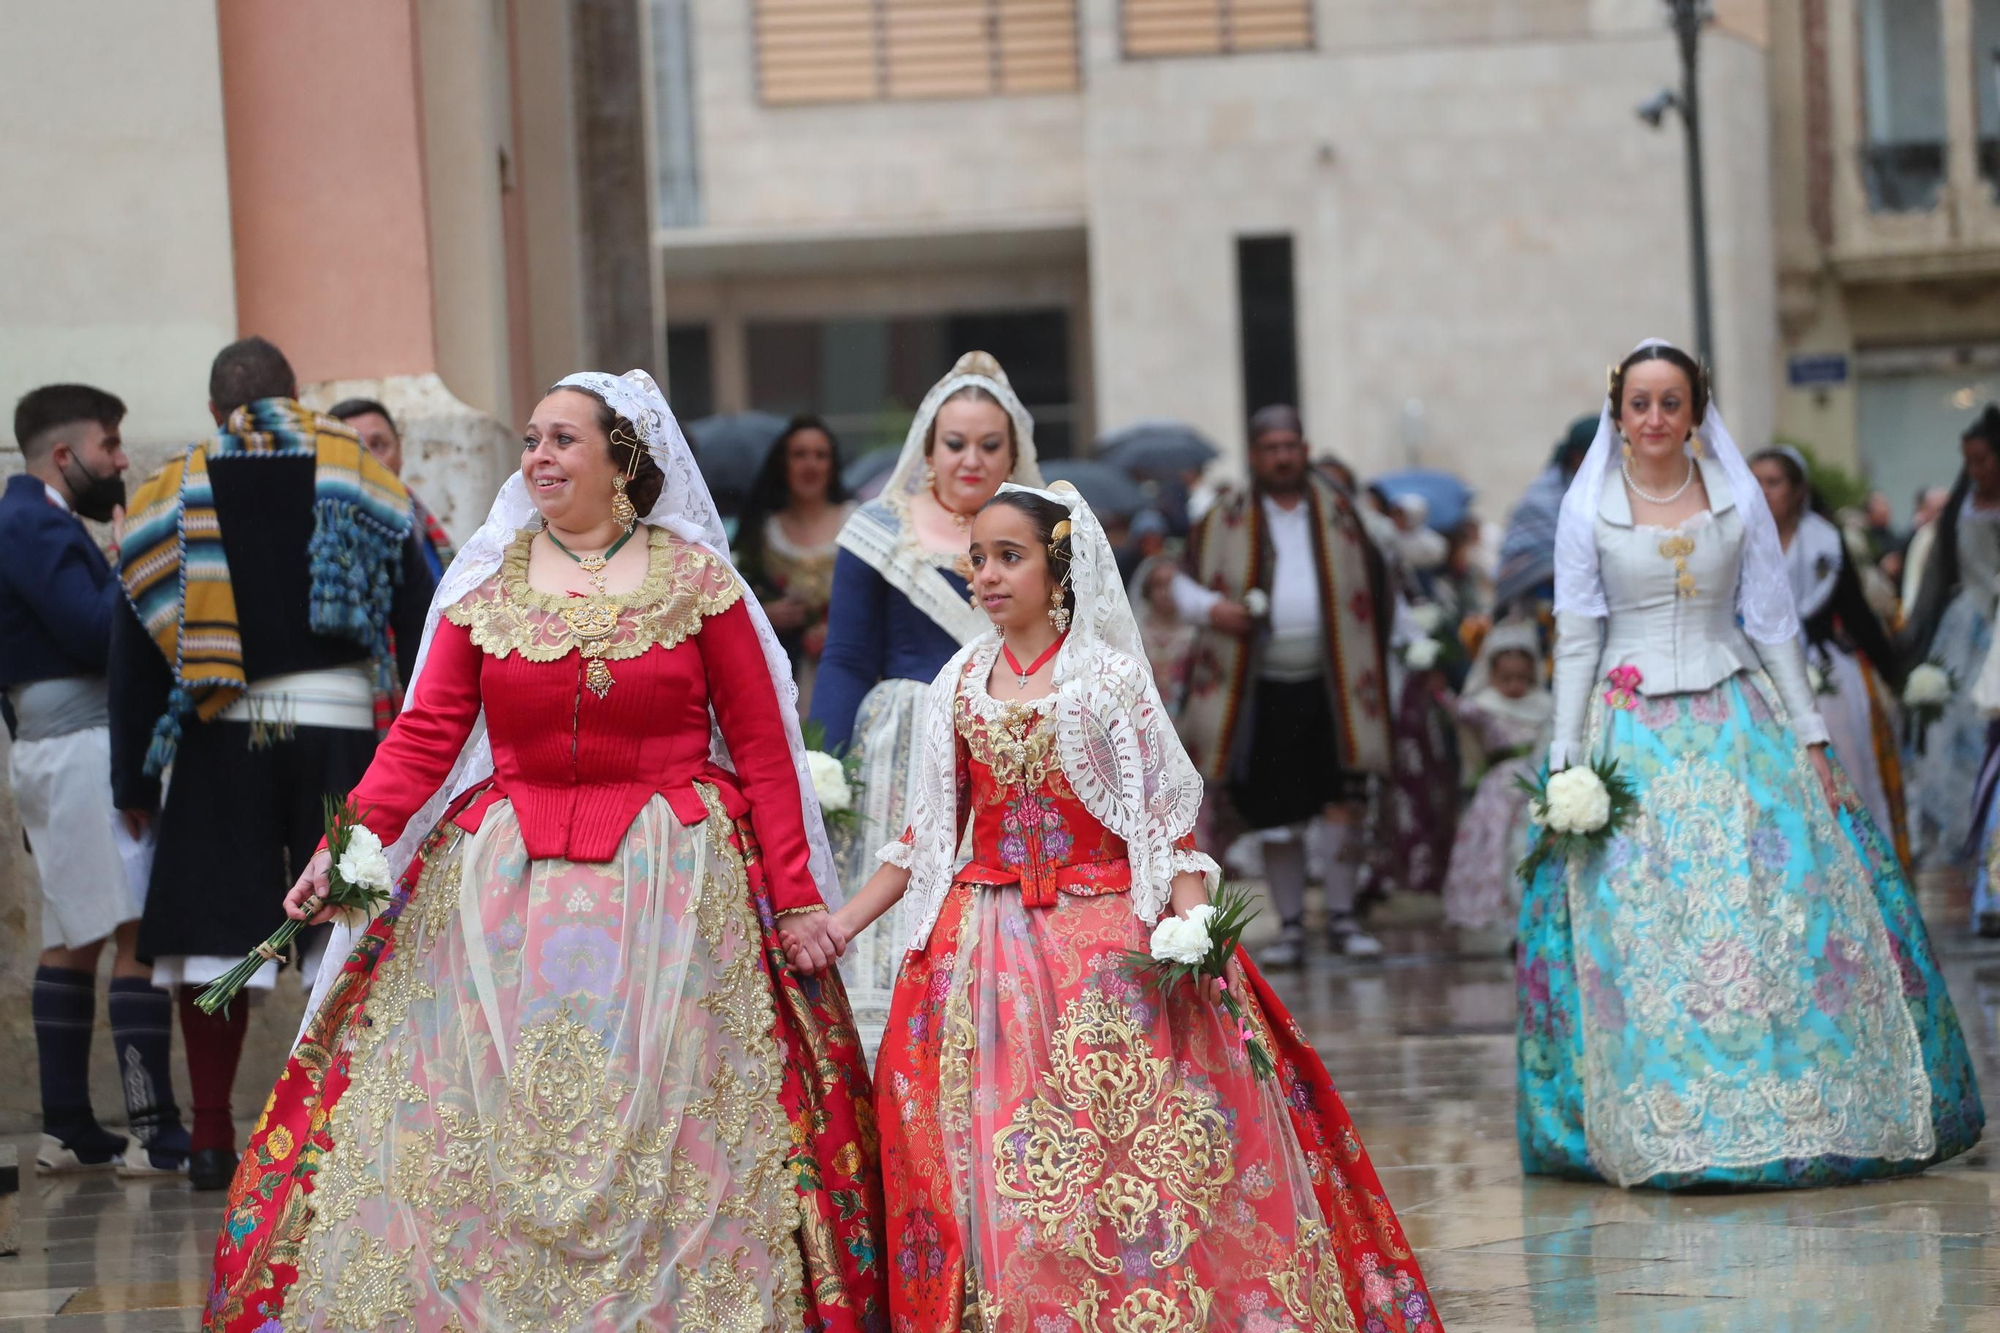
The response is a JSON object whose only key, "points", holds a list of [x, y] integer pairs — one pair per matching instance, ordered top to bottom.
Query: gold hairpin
{"points": [[1059, 531]]}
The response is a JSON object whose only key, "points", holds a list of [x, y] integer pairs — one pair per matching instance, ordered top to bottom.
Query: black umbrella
{"points": [[730, 449], [1163, 449], [872, 468], [1109, 492]]}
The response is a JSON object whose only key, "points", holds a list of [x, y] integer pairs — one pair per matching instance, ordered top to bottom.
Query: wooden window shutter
{"points": [[1214, 27], [864, 50]]}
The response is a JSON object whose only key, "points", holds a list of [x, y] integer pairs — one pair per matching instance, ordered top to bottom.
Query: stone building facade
{"points": [[1451, 206], [1887, 214]]}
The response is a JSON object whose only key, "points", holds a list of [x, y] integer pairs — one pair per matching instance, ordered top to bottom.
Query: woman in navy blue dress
{"points": [[900, 610]]}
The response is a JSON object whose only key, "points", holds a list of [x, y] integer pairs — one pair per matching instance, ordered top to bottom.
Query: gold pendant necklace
{"points": [[591, 622]]}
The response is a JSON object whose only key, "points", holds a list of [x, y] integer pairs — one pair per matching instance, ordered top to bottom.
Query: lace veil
{"points": [[973, 370], [684, 508], [1763, 589], [1114, 739]]}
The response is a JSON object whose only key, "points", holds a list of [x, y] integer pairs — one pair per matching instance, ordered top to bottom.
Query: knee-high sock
{"points": [[1285, 872], [1341, 872], [65, 1009], [142, 1028], [214, 1045]]}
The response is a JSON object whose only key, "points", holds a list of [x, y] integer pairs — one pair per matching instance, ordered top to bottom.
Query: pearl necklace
{"points": [[1662, 500]]}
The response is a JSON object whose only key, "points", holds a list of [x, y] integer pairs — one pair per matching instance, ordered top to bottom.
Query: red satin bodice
{"points": [[578, 767], [1028, 826]]}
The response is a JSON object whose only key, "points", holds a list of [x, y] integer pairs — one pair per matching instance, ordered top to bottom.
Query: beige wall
{"points": [[463, 71], [545, 114], [941, 162], [1479, 220], [1478, 229], [114, 242]]}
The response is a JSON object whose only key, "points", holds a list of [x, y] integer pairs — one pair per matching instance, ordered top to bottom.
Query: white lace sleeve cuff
{"points": [[899, 854], [1197, 863]]}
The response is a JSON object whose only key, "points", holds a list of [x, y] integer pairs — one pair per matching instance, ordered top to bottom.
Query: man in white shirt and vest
{"points": [[1287, 710]]}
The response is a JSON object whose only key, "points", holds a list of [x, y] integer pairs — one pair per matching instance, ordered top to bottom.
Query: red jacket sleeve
{"points": [[746, 708], [417, 755]]}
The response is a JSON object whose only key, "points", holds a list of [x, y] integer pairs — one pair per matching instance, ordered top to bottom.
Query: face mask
{"points": [[92, 496]]}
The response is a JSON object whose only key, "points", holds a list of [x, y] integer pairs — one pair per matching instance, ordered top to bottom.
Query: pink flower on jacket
{"points": [[1624, 691]]}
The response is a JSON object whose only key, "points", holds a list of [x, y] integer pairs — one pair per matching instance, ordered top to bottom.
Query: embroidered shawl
{"points": [[1232, 554]]}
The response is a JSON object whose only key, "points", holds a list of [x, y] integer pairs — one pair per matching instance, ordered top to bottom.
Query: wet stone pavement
{"points": [[1421, 1046]]}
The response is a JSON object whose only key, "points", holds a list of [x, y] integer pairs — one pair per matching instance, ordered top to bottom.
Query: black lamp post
{"points": [[1688, 17]]}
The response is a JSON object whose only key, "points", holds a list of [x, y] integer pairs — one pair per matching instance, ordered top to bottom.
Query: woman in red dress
{"points": [[566, 1080], [1066, 1149]]}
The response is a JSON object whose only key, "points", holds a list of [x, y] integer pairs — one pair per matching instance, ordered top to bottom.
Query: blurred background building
{"points": [[1886, 114], [1429, 223]]}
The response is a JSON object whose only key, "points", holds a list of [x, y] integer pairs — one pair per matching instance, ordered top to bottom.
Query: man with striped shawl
{"points": [[264, 570]]}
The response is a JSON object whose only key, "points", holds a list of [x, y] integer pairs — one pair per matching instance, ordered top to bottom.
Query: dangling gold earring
{"points": [[1626, 442], [930, 476], [622, 512], [1058, 613]]}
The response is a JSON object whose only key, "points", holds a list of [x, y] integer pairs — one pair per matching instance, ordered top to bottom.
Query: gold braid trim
{"points": [[684, 585]]}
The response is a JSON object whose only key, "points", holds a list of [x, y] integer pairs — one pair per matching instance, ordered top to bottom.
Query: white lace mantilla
{"points": [[1114, 739]]}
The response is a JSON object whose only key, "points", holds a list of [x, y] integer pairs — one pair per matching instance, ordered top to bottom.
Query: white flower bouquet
{"points": [[1258, 603], [1423, 654], [1929, 688], [836, 781], [1578, 810], [359, 880], [1197, 947]]}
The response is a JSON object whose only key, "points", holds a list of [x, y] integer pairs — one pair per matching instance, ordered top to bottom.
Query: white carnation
{"points": [[1258, 603], [1426, 617], [1423, 654], [1816, 680], [1929, 687], [829, 779], [1577, 801], [363, 865], [1181, 939]]}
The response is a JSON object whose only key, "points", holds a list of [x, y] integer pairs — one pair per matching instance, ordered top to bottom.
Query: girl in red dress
{"points": [[566, 1081], [1067, 1149]]}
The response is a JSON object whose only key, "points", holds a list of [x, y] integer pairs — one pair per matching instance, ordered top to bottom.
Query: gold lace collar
{"points": [[656, 585]]}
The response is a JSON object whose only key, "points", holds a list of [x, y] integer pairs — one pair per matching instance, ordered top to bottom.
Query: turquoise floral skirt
{"points": [[1738, 989]]}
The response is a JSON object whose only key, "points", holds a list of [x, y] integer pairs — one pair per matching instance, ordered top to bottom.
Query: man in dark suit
{"points": [[57, 600]]}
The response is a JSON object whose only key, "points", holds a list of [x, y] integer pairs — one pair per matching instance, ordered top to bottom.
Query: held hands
{"points": [[311, 888], [813, 940]]}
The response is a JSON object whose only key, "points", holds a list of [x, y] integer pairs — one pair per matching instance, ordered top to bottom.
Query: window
{"points": [[1214, 27], [864, 50], [1902, 62], [1986, 73], [679, 165], [1269, 317], [690, 372], [866, 375]]}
